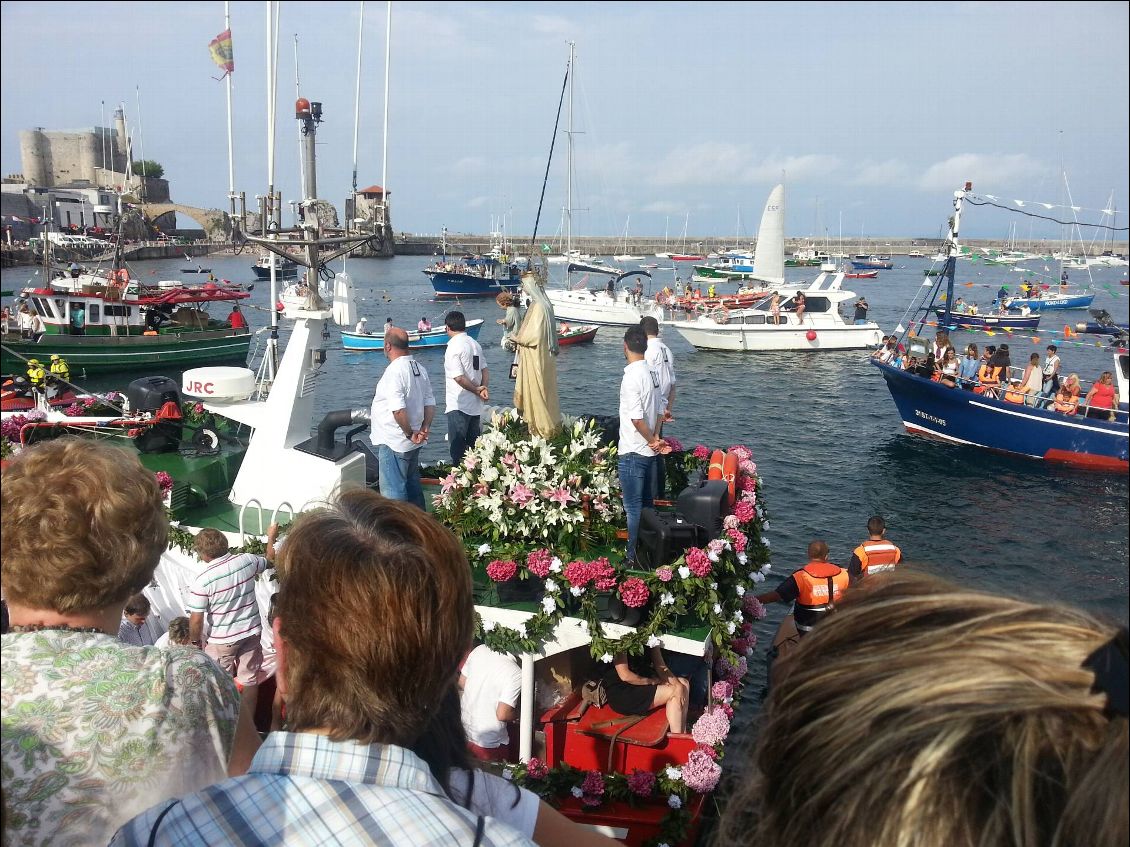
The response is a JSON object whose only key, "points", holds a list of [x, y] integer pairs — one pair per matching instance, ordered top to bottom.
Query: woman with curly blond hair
{"points": [[925, 715], [95, 730]]}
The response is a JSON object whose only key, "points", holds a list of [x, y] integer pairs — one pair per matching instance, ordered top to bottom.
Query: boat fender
{"points": [[810, 335]]}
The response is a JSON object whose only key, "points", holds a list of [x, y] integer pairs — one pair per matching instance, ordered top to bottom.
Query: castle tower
{"points": [[35, 157]]}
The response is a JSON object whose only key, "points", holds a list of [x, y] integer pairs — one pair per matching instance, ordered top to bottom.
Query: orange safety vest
{"points": [[989, 375], [1014, 395], [877, 556], [819, 586]]}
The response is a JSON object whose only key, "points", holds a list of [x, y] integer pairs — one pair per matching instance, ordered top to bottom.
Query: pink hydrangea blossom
{"points": [[198, 409], [74, 410], [676, 444], [701, 451], [743, 453], [747, 468], [165, 482], [747, 483], [743, 511], [730, 522], [738, 539], [716, 546], [698, 561], [538, 563], [501, 570], [577, 572], [664, 573], [603, 574], [634, 592], [752, 606], [739, 646], [722, 690], [727, 709], [712, 727], [708, 751], [537, 769], [701, 773], [641, 783], [593, 788]]}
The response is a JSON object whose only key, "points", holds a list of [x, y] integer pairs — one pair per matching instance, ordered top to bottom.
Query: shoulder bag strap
{"points": [[479, 825], [153, 832]]}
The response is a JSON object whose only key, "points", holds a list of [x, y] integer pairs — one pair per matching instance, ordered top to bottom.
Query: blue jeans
{"points": [[860, 321], [462, 432], [400, 475], [636, 485]]}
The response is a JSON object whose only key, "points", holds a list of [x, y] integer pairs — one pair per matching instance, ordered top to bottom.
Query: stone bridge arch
{"points": [[213, 221]]}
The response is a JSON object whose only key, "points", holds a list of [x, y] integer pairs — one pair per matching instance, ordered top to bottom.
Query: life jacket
{"points": [[61, 369], [989, 374], [37, 376], [1014, 395], [876, 556], [819, 586]]}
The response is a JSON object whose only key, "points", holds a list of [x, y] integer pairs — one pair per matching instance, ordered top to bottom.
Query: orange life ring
{"points": [[717, 460], [730, 474]]}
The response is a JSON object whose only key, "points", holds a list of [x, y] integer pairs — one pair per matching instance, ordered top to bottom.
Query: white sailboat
{"points": [[625, 256], [610, 303]]}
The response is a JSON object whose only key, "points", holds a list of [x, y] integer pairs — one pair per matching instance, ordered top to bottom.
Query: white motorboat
{"points": [[621, 307], [821, 327]]}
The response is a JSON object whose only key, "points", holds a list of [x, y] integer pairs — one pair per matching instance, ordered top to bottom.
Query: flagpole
{"points": [[272, 58], [103, 134], [384, 143], [231, 147]]}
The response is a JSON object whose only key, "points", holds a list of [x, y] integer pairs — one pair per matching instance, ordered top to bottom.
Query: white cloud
{"points": [[552, 25], [721, 162], [468, 165], [979, 167], [795, 168], [891, 172], [478, 202], [664, 207]]}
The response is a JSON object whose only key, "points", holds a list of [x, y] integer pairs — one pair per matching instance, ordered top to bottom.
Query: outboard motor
{"points": [[151, 394]]}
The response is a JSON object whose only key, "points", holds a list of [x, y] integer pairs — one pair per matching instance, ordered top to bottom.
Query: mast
{"points": [[357, 104], [141, 141], [384, 142], [231, 148], [569, 162], [953, 251], [272, 353]]}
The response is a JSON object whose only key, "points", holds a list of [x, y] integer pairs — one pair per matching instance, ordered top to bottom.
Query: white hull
{"points": [[596, 307], [706, 334]]}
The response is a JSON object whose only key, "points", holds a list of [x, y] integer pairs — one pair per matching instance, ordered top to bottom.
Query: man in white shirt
{"points": [[361, 329], [662, 364], [465, 376], [401, 417], [639, 440], [490, 684]]}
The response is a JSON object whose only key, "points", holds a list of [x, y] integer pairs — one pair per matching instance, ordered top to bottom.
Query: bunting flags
{"points": [[221, 49]]}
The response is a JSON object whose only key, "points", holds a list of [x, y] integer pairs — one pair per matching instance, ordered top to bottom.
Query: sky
{"points": [[685, 115]]}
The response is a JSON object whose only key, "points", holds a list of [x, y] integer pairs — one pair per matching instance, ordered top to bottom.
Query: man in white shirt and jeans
{"points": [[662, 364], [466, 377], [401, 417], [639, 439], [490, 684]]}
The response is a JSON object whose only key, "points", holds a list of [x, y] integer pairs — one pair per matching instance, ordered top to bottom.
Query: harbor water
{"points": [[823, 429]]}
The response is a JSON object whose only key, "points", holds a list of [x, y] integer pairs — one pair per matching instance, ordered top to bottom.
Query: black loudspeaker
{"points": [[705, 505], [663, 537], [611, 609]]}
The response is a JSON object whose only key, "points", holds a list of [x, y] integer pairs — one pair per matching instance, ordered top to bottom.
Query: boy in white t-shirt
{"points": [[490, 684]]}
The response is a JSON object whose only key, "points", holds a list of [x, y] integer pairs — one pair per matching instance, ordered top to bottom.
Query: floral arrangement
{"points": [[528, 491], [709, 583]]}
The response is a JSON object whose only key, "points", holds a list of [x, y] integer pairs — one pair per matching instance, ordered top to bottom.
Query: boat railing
{"points": [[259, 508]]}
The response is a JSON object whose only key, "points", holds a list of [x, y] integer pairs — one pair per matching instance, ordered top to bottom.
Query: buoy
{"points": [[810, 335], [714, 470]]}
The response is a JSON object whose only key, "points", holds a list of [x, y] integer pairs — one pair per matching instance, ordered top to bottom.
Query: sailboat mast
{"points": [[357, 106], [384, 142], [231, 146], [569, 163], [272, 353]]}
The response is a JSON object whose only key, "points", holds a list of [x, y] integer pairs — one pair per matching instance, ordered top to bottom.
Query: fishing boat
{"points": [[865, 261], [284, 268], [196, 270], [473, 275], [862, 275], [1049, 300], [964, 320], [129, 326], [821, 327], [579, 334], [362, 341], [967, 417]]}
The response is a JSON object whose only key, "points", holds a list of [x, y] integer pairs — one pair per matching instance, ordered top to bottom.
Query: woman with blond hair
{"points": [[1067, 398], [923, 714], [96, 730]]}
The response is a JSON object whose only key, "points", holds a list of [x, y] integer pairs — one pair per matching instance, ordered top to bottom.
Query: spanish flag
{"points": [[221, 49]]}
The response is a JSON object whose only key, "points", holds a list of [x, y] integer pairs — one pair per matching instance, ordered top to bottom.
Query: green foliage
{"points": [[149, 168]]}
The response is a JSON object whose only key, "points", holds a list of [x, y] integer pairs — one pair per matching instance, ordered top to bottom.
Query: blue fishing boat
{"points": [[865, 262], [474, 275], [1049, 300], [964, 320], [362, 341], [963, 416]]}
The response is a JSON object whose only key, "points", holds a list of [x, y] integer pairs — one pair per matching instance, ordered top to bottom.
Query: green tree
{"points": [[148, 168]]}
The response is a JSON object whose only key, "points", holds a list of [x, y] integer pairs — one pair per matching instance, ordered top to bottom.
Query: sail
{"points": [[769, 257]]}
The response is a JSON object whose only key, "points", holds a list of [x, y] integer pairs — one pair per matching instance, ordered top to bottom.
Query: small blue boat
{"points": [[864, 262], [1049, 300], [959, 320], [360, 341]]}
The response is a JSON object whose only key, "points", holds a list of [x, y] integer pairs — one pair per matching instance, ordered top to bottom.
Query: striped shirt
{"points": [[225, 592], [306, 789]]}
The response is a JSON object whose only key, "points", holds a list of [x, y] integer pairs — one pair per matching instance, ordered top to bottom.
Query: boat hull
{"points": [[871, 264], [285, 272], [447, 284], [1054, 301], [596, 307], [961, 321], [577, 335], [709, 335], [361, 342], [87, 354], [963, 417]]}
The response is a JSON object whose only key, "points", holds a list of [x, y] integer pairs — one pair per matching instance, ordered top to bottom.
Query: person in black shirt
{"points": [[861, 308]]}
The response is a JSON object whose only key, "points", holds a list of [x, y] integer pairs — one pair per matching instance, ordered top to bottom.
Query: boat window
{"points": [[813, 305], [40, 307], [60, 307], [111, 310], [92, 316], [753, 319], [1124, 366]]}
